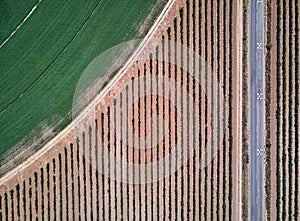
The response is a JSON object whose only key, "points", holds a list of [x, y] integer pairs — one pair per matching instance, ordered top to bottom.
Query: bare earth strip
{"points": [[237, 108]]}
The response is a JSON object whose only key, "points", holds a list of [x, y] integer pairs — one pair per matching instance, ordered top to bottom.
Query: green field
{"points": [[11, 14], [42, 63]]}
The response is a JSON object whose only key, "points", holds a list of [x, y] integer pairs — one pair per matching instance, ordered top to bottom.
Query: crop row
{"points": [[287, 109], [69, 185]]}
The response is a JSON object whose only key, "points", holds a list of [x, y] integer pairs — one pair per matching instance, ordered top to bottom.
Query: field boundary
{"points": [[21, 167]]}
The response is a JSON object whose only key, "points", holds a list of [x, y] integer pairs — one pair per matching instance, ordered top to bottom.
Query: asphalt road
{"points": [[256, 110]]}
